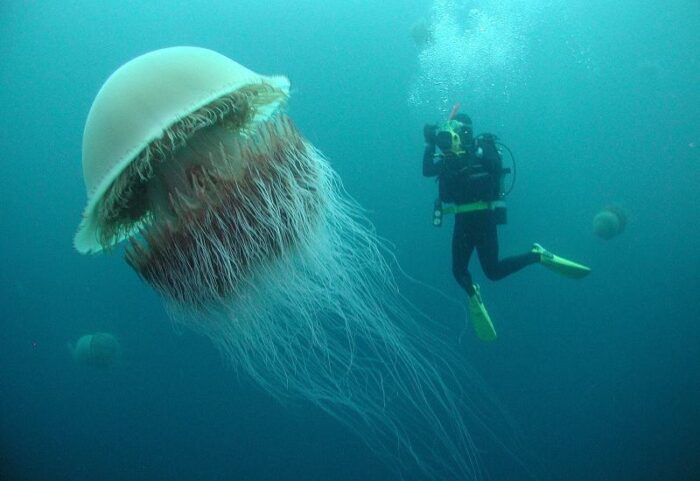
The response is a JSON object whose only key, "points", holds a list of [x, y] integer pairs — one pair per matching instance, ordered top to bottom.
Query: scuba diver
{"points": [[471, 181]]}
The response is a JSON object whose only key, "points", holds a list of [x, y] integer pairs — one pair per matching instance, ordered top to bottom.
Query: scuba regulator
{"points": [[437, 213]]}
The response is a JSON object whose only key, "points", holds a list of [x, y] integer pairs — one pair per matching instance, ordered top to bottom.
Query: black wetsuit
{"points": [[477, 229]]}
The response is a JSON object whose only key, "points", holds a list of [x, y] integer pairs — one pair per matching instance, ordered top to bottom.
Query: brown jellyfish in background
{"points": [[609, 222], [243, 228], [99, 350]]}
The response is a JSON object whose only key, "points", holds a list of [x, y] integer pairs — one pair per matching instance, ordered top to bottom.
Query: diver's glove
{"points": [[429, 133]]}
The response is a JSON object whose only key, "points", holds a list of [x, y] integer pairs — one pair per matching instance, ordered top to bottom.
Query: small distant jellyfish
{"points": [[422, 34], [609, 222], [244, 230], [98, 350]]}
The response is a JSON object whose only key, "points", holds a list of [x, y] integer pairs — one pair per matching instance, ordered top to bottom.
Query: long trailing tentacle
{"points": [[282, 271]]}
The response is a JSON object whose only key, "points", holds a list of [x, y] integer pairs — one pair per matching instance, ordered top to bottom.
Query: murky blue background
{"points": [[598, 100]]}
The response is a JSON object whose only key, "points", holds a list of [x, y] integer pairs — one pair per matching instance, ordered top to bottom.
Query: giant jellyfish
{"points": [[245, 232]]}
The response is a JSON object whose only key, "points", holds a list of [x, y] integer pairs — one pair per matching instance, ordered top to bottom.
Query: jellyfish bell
{"points": [[138, 120], [164, 163], [609, 222], [243, 228], [99, 350]]}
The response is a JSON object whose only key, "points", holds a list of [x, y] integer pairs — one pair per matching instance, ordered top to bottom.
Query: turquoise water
{"points": [[600, 104]]}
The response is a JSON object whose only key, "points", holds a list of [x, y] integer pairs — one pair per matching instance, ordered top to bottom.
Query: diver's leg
{"points": [[464, 239], [462, 248], [487, 248]]}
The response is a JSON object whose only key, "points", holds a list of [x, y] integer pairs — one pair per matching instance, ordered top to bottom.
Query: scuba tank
{"points": [[487, 145]]}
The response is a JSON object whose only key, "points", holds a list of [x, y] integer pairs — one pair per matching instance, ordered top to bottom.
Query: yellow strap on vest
{"points": [[473, 206]]}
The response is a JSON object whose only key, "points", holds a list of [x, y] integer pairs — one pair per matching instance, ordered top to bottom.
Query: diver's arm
{"points": [[431, 167]]}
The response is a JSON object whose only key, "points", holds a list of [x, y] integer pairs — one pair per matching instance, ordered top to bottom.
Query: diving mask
{"points": [[453, 137]]}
